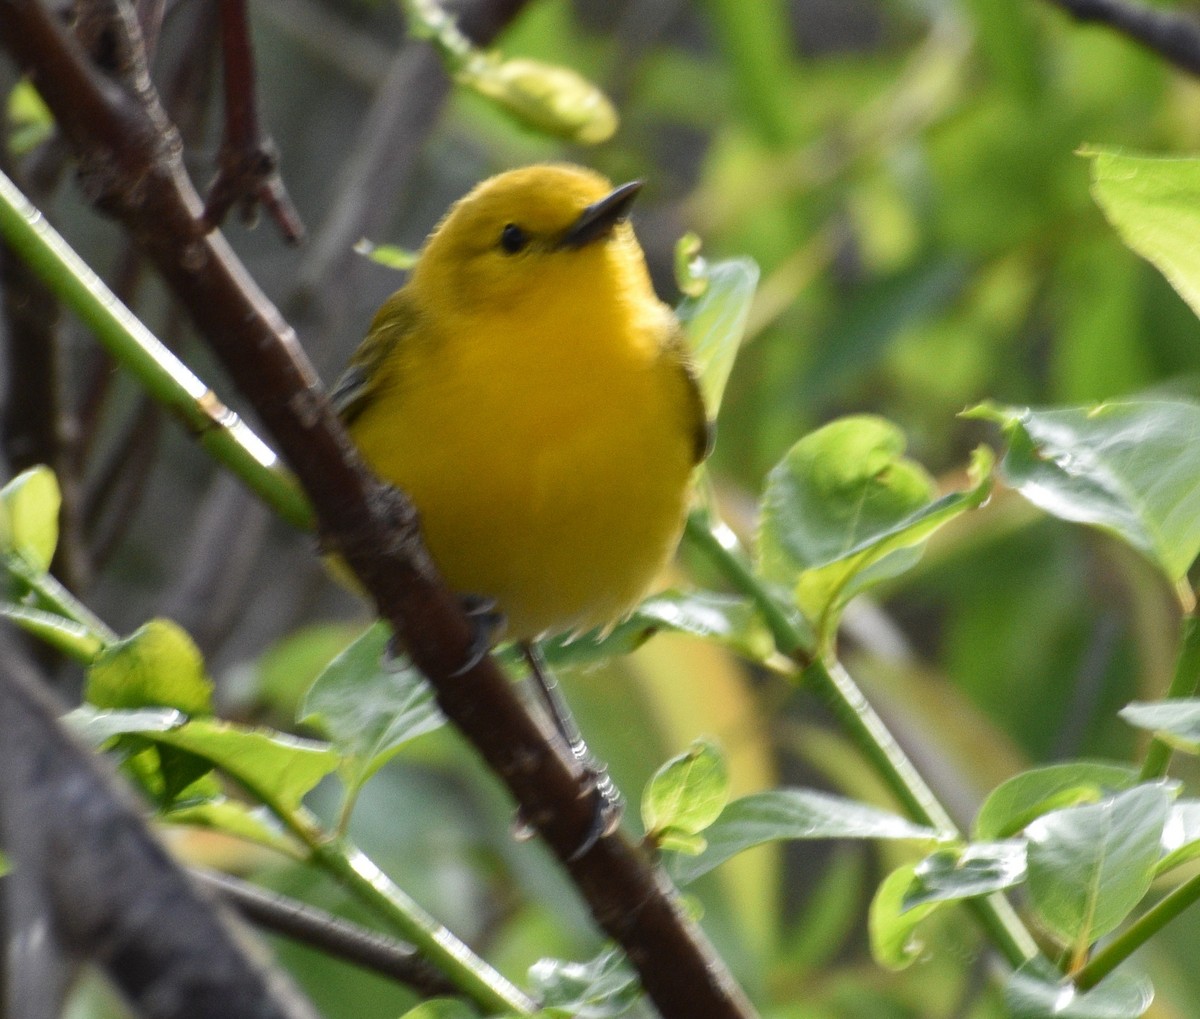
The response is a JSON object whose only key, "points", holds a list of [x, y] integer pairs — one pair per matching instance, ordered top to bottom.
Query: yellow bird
{"points": [[535, 399]]}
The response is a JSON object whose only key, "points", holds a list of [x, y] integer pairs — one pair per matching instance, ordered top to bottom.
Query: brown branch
{"points": [[1173, 35], [248, 163], [131, 166], [87, 881], [333, 935]]}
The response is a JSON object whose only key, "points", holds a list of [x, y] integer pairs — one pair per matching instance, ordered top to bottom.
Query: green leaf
{"points": [[551, 98], [29, 118], [1154, 203], [388, 255], [715, 322], [1129, 467], [31, 502], [844, 510], [730, 621], [68, 636], [158, 665], [369, 705], [1176, 721], [97, 727], [279, 769], [685, 796], [1017, 801], [784, 814], [251, 824], [1181, 836], [1090, 865], [966, 872], [892, 925], [597, 989], [1037, 991]]}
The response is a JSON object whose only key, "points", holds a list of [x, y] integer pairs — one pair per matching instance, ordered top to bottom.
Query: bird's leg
{"points": [[608, 803]]}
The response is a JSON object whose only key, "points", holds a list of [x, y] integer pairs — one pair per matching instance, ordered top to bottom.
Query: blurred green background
{"points": [[905, 173]]}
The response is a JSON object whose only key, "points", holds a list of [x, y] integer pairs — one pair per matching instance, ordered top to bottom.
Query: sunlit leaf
{"points": [[29, 118], [1154, 203], [388, 255], [715, 322], [1129, 467], [32, 501], [845, 509], [68, 636], [157, 665], [370, 704], [1176, 721], [98, 726], [276, 767], [685, 796], [1017, 801], [784, 814], [1181, 836], [1090, 865], [965, 872], [892, 925], [600, 988], [1036, 991]]}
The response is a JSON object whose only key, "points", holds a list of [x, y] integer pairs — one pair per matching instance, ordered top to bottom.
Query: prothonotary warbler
{"points": [[534, 398]]}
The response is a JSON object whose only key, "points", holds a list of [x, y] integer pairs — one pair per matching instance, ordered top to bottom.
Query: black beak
{"points": [[598, 219]]}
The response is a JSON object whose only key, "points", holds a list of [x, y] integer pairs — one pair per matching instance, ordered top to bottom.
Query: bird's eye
{"points": [[513, 238]]}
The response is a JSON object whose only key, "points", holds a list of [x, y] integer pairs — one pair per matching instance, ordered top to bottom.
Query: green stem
{"points": [[163, 375], [53, 597], [1183, 684], [836, 687], [351, 868], [1137, 934], [486, 987]]}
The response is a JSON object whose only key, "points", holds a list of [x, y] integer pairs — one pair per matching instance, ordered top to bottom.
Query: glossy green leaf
{"points": [[1154, 203], [715, 322], [1130, 467], [31, 503], [845, 509], [68, 636], [158, 665], [370, 705], [1176, 721], [97, 726], [277, 768], [685, 796], [1017, 801], [784, 814], [1181, 836], [1090, 865], [965, 872], [892, 925], [597, 989], [1038, 992]]}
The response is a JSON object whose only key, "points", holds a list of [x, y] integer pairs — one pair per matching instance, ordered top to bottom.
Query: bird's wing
{"points": [[372, 362], [704, 431]]}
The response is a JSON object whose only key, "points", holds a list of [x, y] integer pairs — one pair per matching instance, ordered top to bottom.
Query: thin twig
{"points": [[1172, 34], [248, 163], [331, 934]]}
